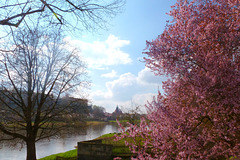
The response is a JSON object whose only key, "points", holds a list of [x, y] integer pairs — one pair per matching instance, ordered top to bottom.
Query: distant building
{"points": [[118, 110], [117, 113]]}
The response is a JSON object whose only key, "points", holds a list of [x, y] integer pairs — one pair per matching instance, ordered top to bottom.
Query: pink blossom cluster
{"points": [[199, 115]]}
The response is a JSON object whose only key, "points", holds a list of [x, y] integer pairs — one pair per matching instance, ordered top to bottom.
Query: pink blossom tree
{"points": [[199, 115]]}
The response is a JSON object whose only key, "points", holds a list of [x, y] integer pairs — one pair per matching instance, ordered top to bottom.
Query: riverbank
{"points": [[97, 122], [60, 144], [119, 148]]}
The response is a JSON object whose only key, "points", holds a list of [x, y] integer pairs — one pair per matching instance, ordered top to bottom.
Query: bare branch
{"points": [[55, 14], [89, 14], [6, 21]]}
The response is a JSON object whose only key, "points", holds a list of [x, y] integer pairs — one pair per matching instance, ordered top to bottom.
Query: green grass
{"points": [[121, 121], [94, 122], [109, 135], [110, 139], [119, 148], [68, 154]]}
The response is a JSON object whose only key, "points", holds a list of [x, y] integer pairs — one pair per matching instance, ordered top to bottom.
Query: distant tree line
{"points": [[130, 115]]}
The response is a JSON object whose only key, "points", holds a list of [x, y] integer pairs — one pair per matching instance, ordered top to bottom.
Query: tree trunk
{"points": [[31, 149]]}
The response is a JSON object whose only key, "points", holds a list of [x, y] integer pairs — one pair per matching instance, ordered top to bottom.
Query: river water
{"points": [[53, 146]]}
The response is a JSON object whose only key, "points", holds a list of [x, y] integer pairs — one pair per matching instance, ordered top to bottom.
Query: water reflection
{"points": [[46, 147]]}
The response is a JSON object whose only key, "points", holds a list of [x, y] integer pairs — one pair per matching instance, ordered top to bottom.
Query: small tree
{"points": [[36, 72], [98, 112], [132, 114], [199, 115]]}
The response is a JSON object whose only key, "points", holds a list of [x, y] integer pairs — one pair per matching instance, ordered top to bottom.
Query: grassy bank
{"points": [[95, 122], [118, 148], [68, 154]]}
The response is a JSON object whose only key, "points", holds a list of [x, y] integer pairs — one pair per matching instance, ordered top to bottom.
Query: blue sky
{"points": [[114, 56]]}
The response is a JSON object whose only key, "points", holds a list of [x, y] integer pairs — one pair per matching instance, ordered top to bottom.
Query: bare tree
{"points": [[78, 13], [35, 73], [98, 112], [133, 114]]}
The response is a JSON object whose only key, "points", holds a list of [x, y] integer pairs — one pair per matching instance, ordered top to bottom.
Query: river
{"points": [[53, 146]]}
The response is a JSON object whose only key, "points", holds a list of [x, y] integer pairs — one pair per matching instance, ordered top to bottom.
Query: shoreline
{"points": [[106, 139]]}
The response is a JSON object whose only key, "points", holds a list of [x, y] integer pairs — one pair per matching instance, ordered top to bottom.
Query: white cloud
{"points": [[100, 54], [112, 74], [146, 76], [123, 87], [128, 87], [101, 95], [143, 98]]}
